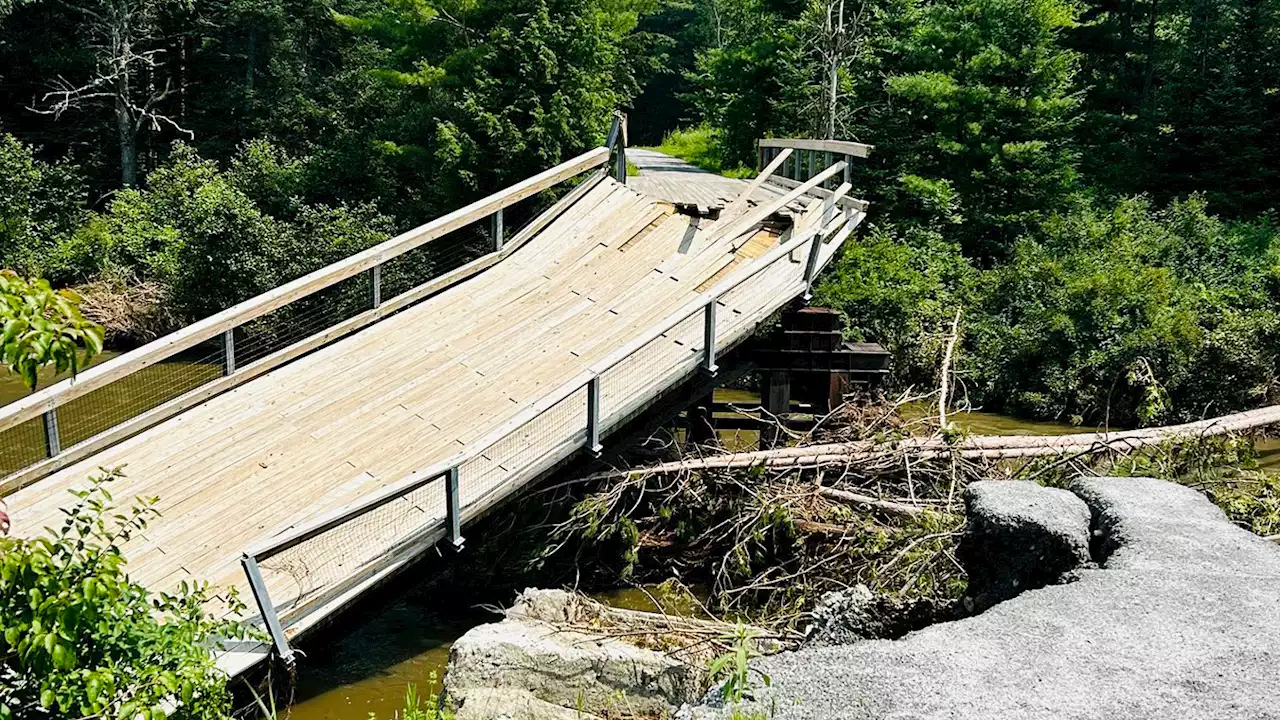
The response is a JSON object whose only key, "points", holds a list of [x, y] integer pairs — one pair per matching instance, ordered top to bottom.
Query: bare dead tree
{"points": [[837, 31], [129, 51]]}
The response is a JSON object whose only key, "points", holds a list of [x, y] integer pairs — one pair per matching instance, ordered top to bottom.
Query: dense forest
{"points": [[1089, 182]]}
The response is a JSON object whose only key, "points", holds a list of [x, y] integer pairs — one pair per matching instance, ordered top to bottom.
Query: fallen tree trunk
{"points": [[980, 447]]}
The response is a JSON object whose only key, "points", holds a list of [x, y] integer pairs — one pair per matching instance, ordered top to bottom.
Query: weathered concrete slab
{"points": [[1182, 620]]}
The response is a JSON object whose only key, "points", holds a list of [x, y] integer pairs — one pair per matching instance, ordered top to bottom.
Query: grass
{"points": [[697, 146]]}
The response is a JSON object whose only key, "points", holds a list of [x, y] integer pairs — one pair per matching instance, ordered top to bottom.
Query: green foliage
{"points": [[700, 147], [39, 202], [210, 238], [899, 288], [1121, 313], [1134, 315], [42, 327], [81, 640], [735, 669]]}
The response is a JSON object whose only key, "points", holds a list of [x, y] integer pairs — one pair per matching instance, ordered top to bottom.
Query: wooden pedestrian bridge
{"points": [[309, 442]]}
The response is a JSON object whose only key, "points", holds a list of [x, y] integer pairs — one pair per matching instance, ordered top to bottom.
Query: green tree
{"points": [[980, 102], [39, 203], [78, 639]]}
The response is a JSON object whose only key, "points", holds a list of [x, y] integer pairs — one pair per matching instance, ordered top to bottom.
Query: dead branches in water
{"points": [[870, 497]]}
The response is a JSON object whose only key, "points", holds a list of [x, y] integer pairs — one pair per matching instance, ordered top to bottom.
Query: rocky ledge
{"points": [[1124, 598], [561, 656]]}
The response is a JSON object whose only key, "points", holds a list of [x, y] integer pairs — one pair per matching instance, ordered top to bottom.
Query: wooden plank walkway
{"points": [[667, 178], [409, 391]]}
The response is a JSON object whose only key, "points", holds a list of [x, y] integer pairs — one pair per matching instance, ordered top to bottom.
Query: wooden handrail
{"points": [[839, 147], [34, 405]]}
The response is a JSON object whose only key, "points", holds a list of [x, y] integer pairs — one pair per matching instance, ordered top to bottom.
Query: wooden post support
{"points": [[848, 169], [496, 229], [376, 290], [709, 338], [229, 351], [775, 398], [593, 416], [700, 428], [52, 440], [453, 509], [268, 611]]}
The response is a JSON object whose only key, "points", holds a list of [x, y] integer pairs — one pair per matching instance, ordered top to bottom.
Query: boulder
{"points": [[1020, 536], [548, 648], [492, 704]]}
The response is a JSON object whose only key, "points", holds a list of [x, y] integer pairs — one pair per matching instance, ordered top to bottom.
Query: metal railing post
{"points": [[617, 140], [496, 229], [811, 268], [376, 286], [709, 338], [229, 351], [593, 416], [52, 440], [453, 508], [265, 607]]}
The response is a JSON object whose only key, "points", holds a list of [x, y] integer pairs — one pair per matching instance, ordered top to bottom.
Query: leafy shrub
{"points": [[209, 239], [900, 288], [1124, 314], [1130, 314], [40, 327], [79, 639]]}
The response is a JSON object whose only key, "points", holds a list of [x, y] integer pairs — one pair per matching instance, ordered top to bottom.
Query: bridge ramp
{"points": [[398, 396]]}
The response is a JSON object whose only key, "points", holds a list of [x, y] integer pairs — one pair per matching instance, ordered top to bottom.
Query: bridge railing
{"points": [[806, 158], [70, 420], [340, 554]]}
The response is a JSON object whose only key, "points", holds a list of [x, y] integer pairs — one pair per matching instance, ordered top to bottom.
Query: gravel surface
{"points": [[1020, 536], [1182, 620]]}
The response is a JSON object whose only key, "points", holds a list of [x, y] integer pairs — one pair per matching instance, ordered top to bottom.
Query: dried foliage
{"points": [[769, 541]]}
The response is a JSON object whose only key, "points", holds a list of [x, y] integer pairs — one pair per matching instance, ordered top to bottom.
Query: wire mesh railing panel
{"points": [[435, 258], [742, 304], [303, 318], [651, 366], [136, 393], [563, 424], [22, 445], [326, 565]]}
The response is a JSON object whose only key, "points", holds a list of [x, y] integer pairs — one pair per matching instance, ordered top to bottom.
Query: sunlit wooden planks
{"points": [[399, 395]]}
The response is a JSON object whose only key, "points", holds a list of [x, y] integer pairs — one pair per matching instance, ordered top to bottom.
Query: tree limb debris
{"points": [[979, 447]]}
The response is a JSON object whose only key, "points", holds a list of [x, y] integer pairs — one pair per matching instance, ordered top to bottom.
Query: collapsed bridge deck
{"points": [[477, 379]]}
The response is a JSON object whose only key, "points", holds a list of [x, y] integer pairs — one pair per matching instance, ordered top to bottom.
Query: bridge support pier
{"points": [[699, 418]]}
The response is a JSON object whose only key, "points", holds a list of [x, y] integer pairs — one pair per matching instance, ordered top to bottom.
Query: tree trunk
{"points": [[1149, 74], [128, 145]]}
